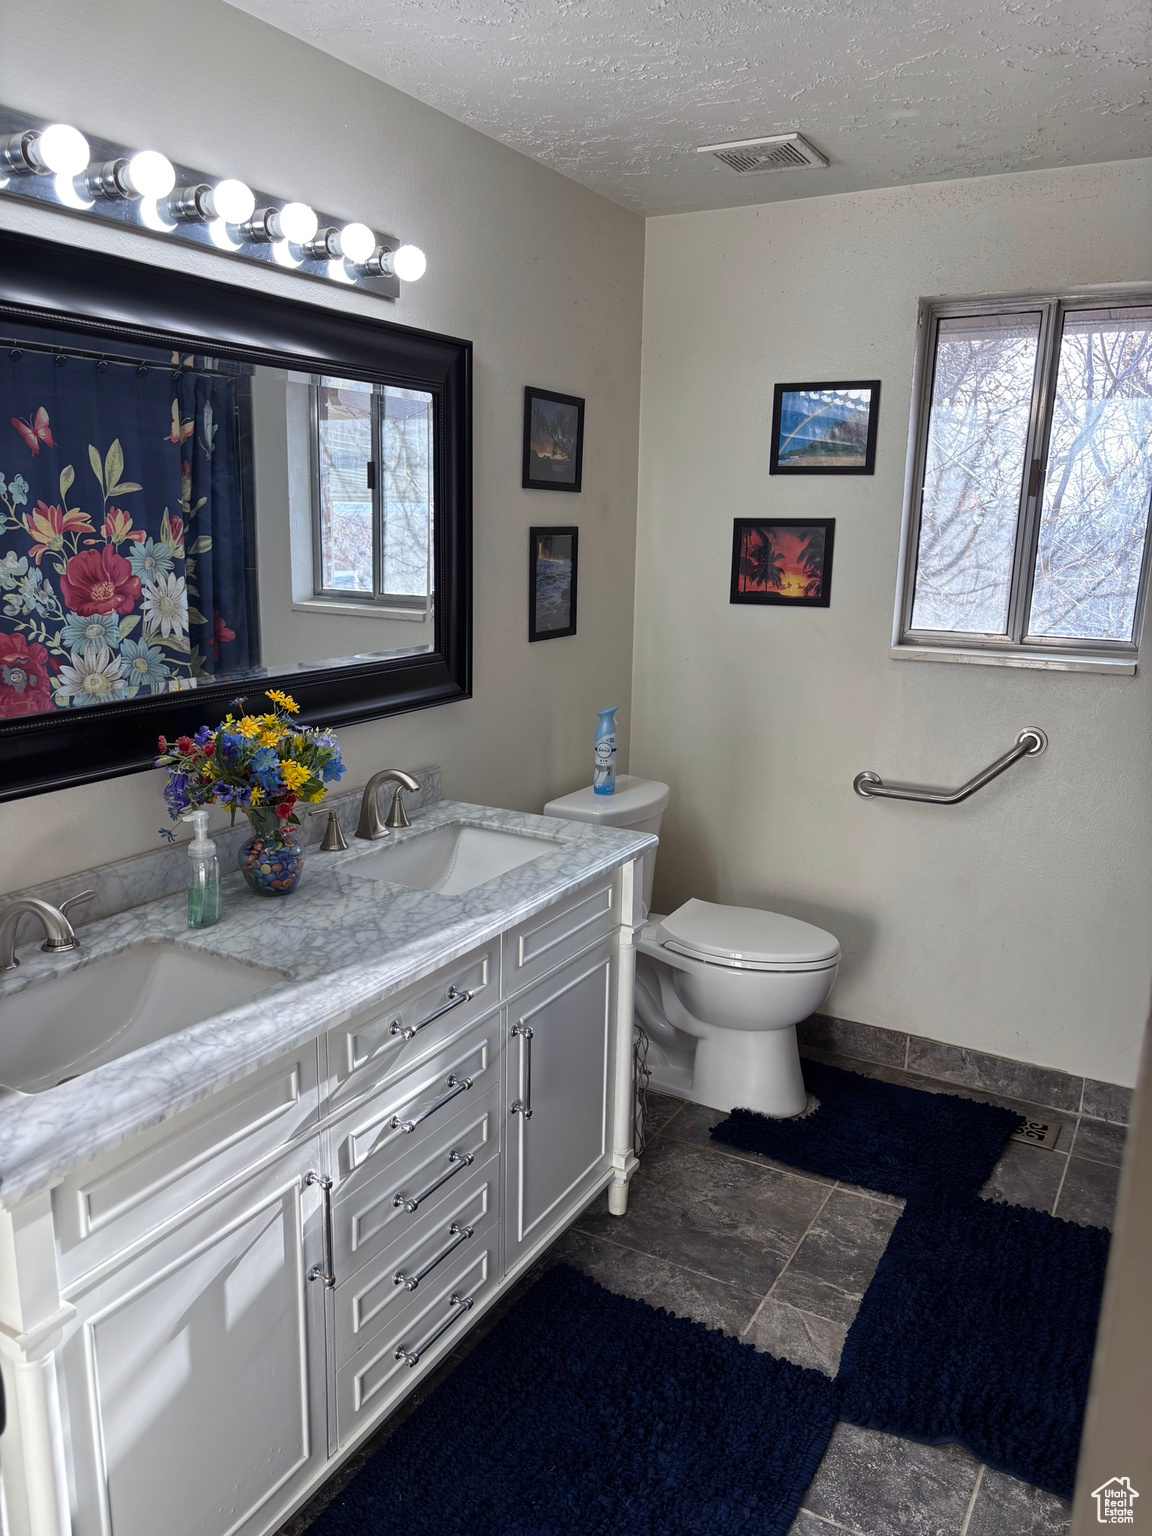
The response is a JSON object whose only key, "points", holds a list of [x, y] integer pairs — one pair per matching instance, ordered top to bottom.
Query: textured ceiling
{"points": [[618, 93]]}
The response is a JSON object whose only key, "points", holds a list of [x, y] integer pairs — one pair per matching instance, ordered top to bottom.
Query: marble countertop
{"points": [[343, 942]]}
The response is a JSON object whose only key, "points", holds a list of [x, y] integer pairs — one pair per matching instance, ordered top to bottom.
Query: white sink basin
{"points": [[453, 859], [65, 1026]]}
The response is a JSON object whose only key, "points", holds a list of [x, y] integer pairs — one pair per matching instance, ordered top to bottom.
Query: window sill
{"points": [[362, 610], [1121, 666]]}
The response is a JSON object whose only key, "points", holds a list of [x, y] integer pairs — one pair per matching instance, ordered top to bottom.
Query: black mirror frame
{"points": [[82, 291]]}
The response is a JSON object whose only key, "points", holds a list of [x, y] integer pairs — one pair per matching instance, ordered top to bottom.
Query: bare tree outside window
{"points": [[1034, 471], [374, 491]]}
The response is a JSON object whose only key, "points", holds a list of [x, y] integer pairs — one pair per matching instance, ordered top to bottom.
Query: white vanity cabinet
{"points": [[196, 1327]]}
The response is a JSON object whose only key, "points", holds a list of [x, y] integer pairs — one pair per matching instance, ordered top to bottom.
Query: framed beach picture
{"points": [[825, 429], [553, 440], [784, 562], [552, 569]]}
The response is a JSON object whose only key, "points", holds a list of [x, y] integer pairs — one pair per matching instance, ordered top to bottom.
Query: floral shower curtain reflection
{"points": [[124, 556]]}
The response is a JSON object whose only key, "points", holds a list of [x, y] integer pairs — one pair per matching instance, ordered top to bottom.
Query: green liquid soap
{"points": [[203, 874]]}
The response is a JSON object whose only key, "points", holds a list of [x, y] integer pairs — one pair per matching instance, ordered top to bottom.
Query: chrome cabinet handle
{"points": [[455, 999], [456, 1086], [523, 1106], [456, 1161], [458, 1234], [327, 1272], [459, 1305]]}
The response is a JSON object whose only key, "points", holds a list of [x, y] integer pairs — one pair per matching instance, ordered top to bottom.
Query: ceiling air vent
{"points": [[781, 152]]}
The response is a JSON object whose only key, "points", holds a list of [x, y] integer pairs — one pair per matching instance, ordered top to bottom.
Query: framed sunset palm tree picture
{"points": [[782, 561]]}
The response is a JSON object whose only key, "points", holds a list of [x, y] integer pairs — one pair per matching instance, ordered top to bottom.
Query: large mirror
{"points": [[207, 492]]}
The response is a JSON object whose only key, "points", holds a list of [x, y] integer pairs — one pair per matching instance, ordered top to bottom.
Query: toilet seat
{"points": [[746, 938]]}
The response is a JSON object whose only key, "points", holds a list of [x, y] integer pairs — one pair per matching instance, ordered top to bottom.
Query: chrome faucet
{"points": [[371, 827], [59, 935]]}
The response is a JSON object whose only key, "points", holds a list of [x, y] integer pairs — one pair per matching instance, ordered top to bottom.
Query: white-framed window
{"points": [[1030, 481], [373, 500]]}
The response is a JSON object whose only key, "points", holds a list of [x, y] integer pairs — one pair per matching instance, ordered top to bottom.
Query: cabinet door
{"points": [[558, 1094], [195, 1372]]}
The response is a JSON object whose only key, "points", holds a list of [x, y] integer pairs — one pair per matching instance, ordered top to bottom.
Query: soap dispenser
{"points": [[604, 753], [203, 874]]}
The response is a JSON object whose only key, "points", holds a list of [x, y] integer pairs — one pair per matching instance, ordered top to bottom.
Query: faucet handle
{"points": [[397, 817], [334, 839], [73, 900], [52, 945]]}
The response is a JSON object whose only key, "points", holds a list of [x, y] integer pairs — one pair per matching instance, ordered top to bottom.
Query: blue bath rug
{"points": [[901, 1141], [978, 1328], [588, 1414]]}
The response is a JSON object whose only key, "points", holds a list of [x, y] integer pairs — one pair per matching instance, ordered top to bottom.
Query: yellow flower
{"points": [[285, 700], [249, 727], [269, 736], [294, 774], [257, 794], [317, 794]]}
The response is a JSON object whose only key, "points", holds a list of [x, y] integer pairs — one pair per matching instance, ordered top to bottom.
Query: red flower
{"points": [[176, 529], [99, 581], [221, 635], [25, 678], [162, 743], [186, 746], [209, 748], [284, 809]]}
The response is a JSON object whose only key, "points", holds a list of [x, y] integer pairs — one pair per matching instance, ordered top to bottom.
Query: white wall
{"points": [[543, 275], [1020, 921]]}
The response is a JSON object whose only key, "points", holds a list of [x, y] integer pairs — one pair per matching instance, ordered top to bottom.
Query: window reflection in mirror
{"points": [[171, 520]]}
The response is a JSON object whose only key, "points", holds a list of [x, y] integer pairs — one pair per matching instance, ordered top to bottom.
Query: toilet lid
{"points": [[747, 933]]}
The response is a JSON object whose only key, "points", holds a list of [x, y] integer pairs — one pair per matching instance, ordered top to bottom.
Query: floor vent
{"points": [[782, 152], [1041, 1133]]}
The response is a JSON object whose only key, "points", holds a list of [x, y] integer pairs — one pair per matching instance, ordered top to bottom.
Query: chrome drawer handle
{"points": [[455, 999], [456, 1086], [523, 1106], [457, 1160], [458, 1234], [327, 1272], [459, 1305]]}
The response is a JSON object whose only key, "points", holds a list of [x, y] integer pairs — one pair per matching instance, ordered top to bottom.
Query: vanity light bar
{"points": [[56, 165]]}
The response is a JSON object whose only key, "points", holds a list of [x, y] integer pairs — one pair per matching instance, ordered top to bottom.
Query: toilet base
{"points": [[754, 1070]]}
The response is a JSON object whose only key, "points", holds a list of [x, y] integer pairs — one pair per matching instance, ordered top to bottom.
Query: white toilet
{"points": [[719, 990]]}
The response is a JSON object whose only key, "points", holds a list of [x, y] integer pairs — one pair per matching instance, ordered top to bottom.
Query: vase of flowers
{"points": [[263, 765]]}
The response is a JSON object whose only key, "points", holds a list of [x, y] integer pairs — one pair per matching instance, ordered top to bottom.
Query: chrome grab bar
{"points": [[1030, 743], [455, 999], [456, 1085], [523, 1106], [456, 1161], [458, 1234], [327, 1273], [459, 1305]]}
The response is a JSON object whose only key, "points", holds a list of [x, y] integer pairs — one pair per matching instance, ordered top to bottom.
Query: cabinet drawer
{"points": [[551, 937], [382, 1045], [373, 1134], [110, 1202], [375, 1210], [375, 1298], [430, 1326]]}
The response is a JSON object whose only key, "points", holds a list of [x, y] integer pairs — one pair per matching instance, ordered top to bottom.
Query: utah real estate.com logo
{"points": [[1114, 1500]]}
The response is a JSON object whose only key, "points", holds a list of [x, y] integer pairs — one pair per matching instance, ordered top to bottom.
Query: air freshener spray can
{"points": [[604, 772]]}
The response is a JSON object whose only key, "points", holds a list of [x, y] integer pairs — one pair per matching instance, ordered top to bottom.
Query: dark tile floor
{"points": [[782, 1259]]}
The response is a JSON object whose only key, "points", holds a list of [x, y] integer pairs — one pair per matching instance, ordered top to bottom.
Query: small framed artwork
{"points": [[825, 429], [553, 440], [553, 555], [785, 562]]}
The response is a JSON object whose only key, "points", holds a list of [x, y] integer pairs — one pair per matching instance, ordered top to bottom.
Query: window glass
{"points": [[977, 433], [344, 445], [406, 459], [1098, 483]]}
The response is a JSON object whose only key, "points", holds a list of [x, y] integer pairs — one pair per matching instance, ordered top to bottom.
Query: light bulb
{"points": [[62, 149], [149, 174], [232, 201], [297, 223], [221, 238], [357, 242], [409, 263]]}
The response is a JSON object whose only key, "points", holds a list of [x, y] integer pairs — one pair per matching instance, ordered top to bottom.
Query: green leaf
{"points": [[113, 466], [97, 467], [67, 477], [122, 487], [202, 545], [196, 617], [128, 623]]}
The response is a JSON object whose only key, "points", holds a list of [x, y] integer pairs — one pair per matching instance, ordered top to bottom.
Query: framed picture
{"points": [[825, 429], [553, 440], [785, 562], [552, 568]]}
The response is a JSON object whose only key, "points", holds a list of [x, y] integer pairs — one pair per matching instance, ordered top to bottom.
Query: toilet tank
{"points": [[637, 804]]}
